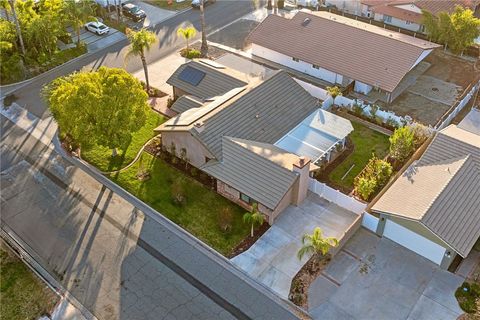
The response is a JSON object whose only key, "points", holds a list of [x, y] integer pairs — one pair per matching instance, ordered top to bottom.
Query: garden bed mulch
{"points": [[213, 52], [323, 175], [249, 241], [302, 280]]}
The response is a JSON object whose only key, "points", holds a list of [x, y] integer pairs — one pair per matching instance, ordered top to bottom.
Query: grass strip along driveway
{"points": [[365, 142], [101, 157], [200, 212]]}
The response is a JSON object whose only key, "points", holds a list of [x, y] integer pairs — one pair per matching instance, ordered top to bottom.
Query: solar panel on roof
{"points": [[191, 75]]}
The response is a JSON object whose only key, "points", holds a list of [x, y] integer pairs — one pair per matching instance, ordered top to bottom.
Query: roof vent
{"points": [[306, 22], [257, 116], [198, 124]]}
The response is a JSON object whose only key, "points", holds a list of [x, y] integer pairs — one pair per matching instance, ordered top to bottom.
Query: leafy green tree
{"points": [[5, 6], [79, 13], [17, 26], [457, 30], [187, 33], [140, 42], [204, 47], [10, 66], [334, 92], [103, 107], [402, 143], [373, 177], [253, 218], [316, 244]]}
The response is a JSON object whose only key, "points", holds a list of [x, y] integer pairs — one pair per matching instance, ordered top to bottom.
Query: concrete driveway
{"points": [[95, 42], [272, 260], [374, 278]]}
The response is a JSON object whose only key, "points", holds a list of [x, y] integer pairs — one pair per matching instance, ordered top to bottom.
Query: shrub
{"points": [[192, 54], [170, 102], [357, 109], [373, 111], [391, 122], [420, 133], [402, 143], [194, 171], [373, 178], [178, 192], [225, 219], [467, 295]]}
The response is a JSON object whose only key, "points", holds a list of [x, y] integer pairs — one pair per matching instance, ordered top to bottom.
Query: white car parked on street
{"points": [[97, 28]]}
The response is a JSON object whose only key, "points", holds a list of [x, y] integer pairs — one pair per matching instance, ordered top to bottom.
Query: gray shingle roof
{"points": [[345, 46], [216, 81], [185, 103], [265, 113], [246, 168], [442, 189]]}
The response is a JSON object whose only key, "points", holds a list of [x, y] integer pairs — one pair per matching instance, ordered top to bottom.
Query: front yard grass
{"points": [[175, 6], [365, 142], [101, 157], [198, 215], [22, 294]]}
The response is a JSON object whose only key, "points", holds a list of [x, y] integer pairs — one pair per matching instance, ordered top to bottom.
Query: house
{"points": [[407, 14], [341, 51], [201, 80], [260, 141], [433, 208]]}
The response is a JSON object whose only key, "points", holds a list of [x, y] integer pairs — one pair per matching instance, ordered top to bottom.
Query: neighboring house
{"points": [[408, 14], [341, 51], [204, 79], [260, 142], [433, 208]]}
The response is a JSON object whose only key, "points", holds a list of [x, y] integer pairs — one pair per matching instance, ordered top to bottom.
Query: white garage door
{"points": [[414, 242]]}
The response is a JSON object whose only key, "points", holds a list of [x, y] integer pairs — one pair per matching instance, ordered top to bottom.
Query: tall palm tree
{"points": [[79, 13], [17, 26], [187, 33], [140, 42], [204, 47], [334, 92], [253, 218], [316, 244]]}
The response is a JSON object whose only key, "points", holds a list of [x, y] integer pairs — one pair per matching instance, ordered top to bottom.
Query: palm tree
{"points": [[5, 6], [79, 13], [17, 26], [187, 33], [140, 42], [204, 47], [334, 92], [254, 218], [316, 244]]}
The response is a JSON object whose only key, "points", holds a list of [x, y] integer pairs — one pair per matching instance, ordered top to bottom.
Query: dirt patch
{"points": [[235, 35], [213, 52], [449, 68], [249, 241], [302, 280]]}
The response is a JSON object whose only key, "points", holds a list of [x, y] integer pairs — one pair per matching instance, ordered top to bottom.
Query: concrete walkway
{"points": [[272, 260]]}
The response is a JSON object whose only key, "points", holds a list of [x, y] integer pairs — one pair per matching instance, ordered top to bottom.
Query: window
{"points": [[387, 18], [408, 22], [296, 59], [314, 66], [245, 198]]}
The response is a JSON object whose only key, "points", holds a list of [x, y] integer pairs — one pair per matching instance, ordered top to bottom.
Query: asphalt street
{"points": [[217, 16]]}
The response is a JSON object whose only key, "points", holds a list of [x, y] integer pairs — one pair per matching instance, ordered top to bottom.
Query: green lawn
{"points": [[176, 6], [366, 141], [101, 157], [199, 215], [22, 294]]}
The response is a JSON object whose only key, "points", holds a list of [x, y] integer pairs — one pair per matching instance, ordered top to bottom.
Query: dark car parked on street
{"points": [[133, 12]]}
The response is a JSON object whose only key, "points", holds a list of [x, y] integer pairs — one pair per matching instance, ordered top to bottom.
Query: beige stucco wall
{"points": [[178, 92], [196, 152]]}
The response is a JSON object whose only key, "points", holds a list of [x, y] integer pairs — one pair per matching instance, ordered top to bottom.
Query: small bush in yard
{"points": [[192, 54], [402, 143], [373, 178], [225, 219], [467, 295]]}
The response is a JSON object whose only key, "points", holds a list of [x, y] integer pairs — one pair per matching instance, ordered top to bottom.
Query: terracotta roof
{"points": [[357, 50]]}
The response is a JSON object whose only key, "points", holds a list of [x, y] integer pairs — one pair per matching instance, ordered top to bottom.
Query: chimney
{"points": [[302, 167]]}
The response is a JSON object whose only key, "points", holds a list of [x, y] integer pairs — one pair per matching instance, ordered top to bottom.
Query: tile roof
{"points": [[433, 6], [399, 13], [381, 57], [217, 80], [185, 103], [258, 170], [441, 190]]}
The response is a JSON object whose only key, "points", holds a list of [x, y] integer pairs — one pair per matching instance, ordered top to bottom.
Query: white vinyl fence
{"points": [[459, 107], [336, 197], [370, 222]]}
